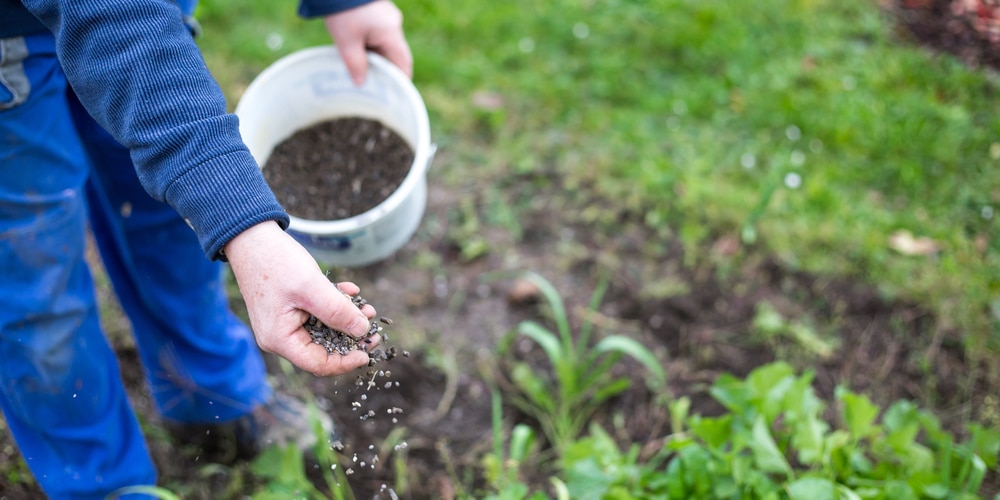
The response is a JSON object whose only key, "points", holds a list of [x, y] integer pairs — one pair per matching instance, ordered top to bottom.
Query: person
{"points": [[110, 120]]}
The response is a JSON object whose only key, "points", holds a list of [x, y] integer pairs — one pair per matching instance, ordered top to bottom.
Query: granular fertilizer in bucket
{"points": [[337, 168]]}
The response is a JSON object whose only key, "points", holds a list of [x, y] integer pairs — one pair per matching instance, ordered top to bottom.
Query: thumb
{"points": [[356, 60], [336, 310]]}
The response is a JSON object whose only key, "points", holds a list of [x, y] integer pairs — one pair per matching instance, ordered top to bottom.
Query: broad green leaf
{"points": [[630, 347], [762, 379], [768, 386], [732, 393], [801, 401], [772, 402], [858, 413], [900, 415], [932, 427], [714, 431], [902, 438], [808, 439], [986, 444], [766, 454], [915, 457], [697, 462], [860, 462], [279, 463], [742, 468], [587, 480], [725, 487], [676, 488], [812, 488], [898, 490], [936, 490], [846, 493]]}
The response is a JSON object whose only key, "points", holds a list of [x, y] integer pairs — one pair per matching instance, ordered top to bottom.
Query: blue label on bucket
{"points": [[336, 243]]}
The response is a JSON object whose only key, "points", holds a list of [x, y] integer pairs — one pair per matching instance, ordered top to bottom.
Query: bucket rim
{"points": [[423, 152]]}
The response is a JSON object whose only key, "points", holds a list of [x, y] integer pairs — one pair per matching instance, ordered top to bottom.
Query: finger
{"points": [[397, 51], [353, 54], [349, 288], [338, 312], [372, 342], [314, 359]]}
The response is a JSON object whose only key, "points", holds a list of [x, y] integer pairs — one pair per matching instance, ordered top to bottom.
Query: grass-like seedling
{"points": [[582, 377]]}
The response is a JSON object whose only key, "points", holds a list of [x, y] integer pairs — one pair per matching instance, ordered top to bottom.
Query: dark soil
{"points": [[967, 29], [338, 168], [429, 413]]}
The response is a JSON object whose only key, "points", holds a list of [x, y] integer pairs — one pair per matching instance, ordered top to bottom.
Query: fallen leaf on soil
{"points": [[905, 243], [523, 292]]}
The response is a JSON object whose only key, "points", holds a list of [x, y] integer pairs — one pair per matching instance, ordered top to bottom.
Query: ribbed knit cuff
{"points": [[318, 8], [222, 198]]}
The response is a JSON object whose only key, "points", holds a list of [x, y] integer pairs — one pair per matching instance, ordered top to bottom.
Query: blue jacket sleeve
{"points": [[317, 8], [137, 70]]}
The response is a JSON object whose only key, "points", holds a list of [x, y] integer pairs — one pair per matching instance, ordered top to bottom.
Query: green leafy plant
{"points": [[791, 338], [581, 379], [772, 443], [503, 466], [595, 468], [282, 470]]}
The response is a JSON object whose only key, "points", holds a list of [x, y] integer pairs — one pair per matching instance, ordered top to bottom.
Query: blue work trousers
{"points": [[60, 386]]}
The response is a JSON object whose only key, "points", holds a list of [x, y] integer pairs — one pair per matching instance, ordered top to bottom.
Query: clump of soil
{"points": [[968, 29], [338, 168]]}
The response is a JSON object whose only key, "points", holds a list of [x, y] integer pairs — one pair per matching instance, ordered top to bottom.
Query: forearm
{"points": [[136, 69]]}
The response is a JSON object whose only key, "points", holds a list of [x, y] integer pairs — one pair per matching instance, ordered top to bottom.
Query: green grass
{"points": [[693, 114]]}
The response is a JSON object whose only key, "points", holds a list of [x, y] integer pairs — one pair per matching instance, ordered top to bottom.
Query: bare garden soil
{"points": [[430, 411]]}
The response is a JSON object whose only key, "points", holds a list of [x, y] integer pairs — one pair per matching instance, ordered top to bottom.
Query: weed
{"points": [[582, 378], [503, 466]]}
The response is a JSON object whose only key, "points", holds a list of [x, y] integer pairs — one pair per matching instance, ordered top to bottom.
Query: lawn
{"points": [[807, 128]]}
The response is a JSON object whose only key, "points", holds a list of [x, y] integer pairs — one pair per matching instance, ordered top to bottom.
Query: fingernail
{"points": [[358, 328]]}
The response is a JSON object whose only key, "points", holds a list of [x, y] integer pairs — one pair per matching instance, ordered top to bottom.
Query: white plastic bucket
{"points": [[312, 86]]}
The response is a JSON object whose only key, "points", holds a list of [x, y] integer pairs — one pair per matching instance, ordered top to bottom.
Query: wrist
{"points": [[251, 237]]}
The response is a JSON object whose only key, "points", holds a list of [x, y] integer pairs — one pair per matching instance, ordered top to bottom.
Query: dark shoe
{"points": [[281, 421]]}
